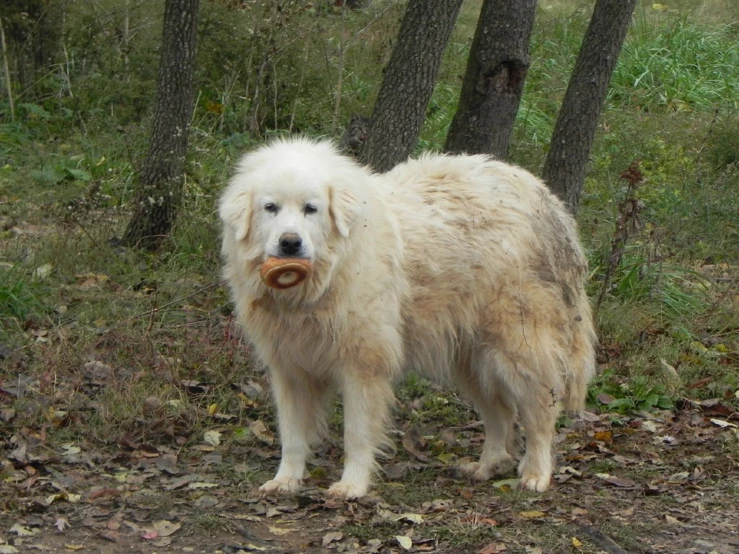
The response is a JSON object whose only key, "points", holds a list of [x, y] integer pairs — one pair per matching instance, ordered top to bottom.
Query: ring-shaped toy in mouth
{"points": [[285, 273]]}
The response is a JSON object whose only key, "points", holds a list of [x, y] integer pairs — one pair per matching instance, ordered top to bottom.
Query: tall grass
{"points": [[683, 66]]}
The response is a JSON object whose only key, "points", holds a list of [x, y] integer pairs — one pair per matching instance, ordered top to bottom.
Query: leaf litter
{"points": [[653, 481]]}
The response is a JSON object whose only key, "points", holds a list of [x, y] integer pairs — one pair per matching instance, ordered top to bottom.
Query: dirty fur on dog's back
{"points": [[492, 256]]}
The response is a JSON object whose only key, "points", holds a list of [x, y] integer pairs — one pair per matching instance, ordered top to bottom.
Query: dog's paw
{"points": [[482, 471], [534, 482], [283, 484], [348, 490]]}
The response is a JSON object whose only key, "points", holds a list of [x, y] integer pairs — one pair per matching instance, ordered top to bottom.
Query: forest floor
{"points": [[131, 417], [161, 481]]}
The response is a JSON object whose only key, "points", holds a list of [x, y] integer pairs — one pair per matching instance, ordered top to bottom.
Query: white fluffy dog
{"points": [[462, 267]]}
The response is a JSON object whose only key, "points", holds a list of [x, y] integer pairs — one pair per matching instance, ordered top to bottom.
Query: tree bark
{"points": [[409, 81], [493, 82], [566, 163], [161, 178]]}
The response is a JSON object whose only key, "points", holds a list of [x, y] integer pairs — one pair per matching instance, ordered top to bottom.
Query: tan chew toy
{"points": [[283, 273]]}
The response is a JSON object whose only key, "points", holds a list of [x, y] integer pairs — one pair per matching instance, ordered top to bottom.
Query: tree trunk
{"points": [[409, 81], [493, 82], [564, 168], [162, 176]]}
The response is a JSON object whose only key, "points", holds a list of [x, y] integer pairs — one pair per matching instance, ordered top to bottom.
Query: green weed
{"points": [[18, 299], [609, 393]]}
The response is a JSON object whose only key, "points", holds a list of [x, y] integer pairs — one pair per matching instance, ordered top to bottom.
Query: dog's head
{"points": [[293, 198]]}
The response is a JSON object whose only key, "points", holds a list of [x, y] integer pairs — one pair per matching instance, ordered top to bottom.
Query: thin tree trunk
{"points": [[6, 70], [409, 81], [493, 82], [566, 164], [162, 176]]}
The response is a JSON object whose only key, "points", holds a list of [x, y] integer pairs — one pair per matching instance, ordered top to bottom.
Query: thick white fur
{"points": [[461, 267]]}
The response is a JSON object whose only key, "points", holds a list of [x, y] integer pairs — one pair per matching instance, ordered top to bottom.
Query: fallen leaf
{"points": [[42, 271], [89, 280], [670, 370], [97, 372], [195, 387], [722, 423], [649, 425], [260, 430], [212, 437], [413, 442], [71, 449], [148, 451], [447, 458], [569, 470], [395, 471], [180, 482], [619, 482], [506, 484], [201, 485], [100, 493], [62, 496], [206, 501], [437, 505], [533, 514], [412, 518], [61, 524], [135, 528], [166, 528], [22, 531], [280, 532], [333, 536], [405, 542], [576, 543], [74, 547], [7, 549]]}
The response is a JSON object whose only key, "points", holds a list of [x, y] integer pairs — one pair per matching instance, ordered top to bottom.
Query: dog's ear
{"points": [[345, 209], [235, 211]]}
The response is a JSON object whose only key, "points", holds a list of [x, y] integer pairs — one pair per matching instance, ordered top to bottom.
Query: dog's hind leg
{"points": [[533, 389], [367, 401], [492, 401], [539, 412], [302, 418]]}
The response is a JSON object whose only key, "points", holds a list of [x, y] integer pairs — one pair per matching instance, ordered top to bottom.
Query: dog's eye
{"points": [[270, 207], [310, 209]]}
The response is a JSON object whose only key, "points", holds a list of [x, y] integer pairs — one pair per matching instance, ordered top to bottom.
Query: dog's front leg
{"points": [[367, 402], [302, 420]]}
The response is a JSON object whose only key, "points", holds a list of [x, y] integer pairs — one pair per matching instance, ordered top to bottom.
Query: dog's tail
{"points": [[582, 358]]}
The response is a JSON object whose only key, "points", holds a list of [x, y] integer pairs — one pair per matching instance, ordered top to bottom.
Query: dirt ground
{"points": [[644, 483]]}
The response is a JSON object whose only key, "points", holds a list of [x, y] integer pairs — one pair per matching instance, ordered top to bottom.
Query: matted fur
{"points": [[464, 268]]}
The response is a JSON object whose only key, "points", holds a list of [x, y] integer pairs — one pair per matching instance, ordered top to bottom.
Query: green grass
{"points": [[683, 67]]}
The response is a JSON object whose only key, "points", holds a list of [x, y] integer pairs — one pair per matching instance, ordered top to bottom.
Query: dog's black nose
{"points": [[290, 244]]}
